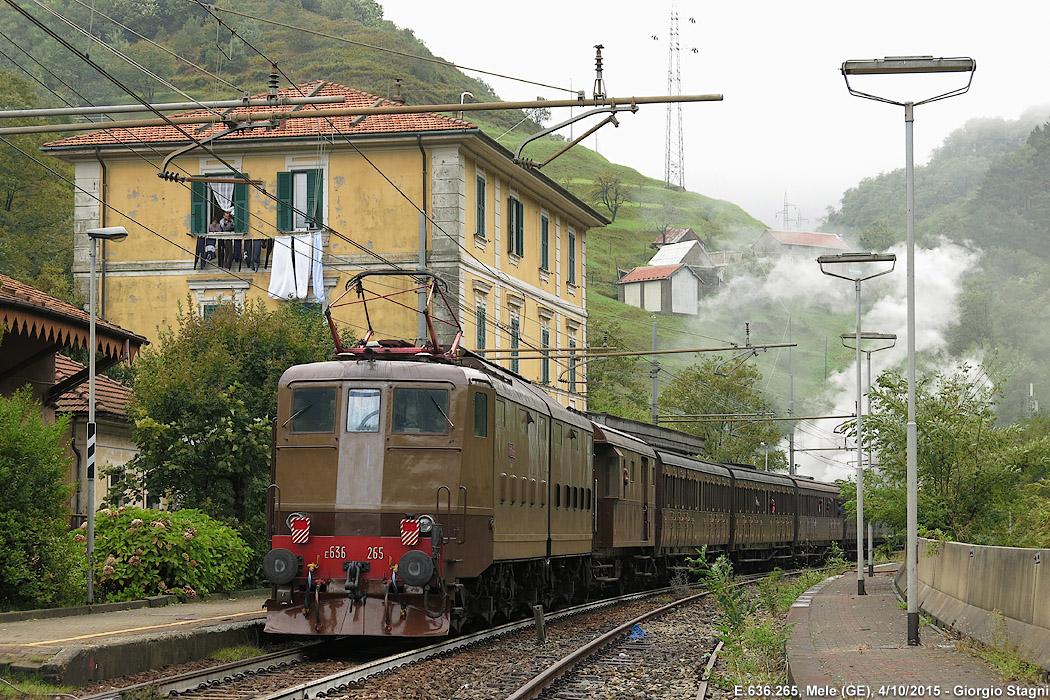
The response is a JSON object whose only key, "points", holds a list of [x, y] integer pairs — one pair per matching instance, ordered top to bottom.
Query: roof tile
{"points": [[290, 128], [649, 273], [110, 395]]}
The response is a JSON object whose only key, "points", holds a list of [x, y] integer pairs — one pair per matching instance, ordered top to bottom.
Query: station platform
{"points": [[102, 642], [846, 645]]}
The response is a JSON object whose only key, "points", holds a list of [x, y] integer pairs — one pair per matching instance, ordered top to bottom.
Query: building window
{"points": [[210, 200], [299, 200], [479, 210], [515, 227], [545, 247], [572, 258], [479, 322], [545, 341], [515, 363], [572, 366]]}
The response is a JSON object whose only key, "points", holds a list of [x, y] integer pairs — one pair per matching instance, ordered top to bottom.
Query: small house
{"points": [[667, 289]]}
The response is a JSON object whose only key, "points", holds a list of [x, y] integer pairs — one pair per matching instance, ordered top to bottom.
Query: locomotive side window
{"points": [[313, 410], [362, 411], [421, 411], [481, 415]]}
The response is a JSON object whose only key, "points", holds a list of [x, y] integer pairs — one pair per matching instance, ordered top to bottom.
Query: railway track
{"points": [[573, 664]]}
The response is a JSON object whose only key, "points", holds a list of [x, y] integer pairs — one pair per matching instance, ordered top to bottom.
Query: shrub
{"points": [[140, 553], [39, 565]]}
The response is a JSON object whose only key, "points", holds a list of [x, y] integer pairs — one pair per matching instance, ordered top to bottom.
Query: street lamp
{"points": [[897, 65], [109, 233], [854, 266], [892, 339]]}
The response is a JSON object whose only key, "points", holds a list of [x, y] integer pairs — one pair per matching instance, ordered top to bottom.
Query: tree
{"points": [[610, 192], [36, 209], [615, 385], [725, 387], [203, 407], [968, 467], [39, 567]]}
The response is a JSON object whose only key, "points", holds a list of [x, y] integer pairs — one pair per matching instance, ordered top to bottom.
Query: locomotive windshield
{"points": [[313, 410], [362, 411], [421, 411]]}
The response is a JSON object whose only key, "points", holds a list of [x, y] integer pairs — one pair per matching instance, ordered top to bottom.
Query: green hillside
{"points": [[985, 187]]}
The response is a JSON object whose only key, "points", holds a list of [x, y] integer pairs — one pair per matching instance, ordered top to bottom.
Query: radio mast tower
{"points": [[674, 162]]}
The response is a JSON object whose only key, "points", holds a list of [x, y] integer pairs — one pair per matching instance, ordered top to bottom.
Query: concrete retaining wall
{"points": [[963, 585]]}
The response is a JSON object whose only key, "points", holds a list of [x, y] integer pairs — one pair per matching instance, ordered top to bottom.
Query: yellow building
{"points": [[508, 241]]}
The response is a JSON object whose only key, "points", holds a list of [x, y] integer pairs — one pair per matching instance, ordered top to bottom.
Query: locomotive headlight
{"points": [[426, 524]]}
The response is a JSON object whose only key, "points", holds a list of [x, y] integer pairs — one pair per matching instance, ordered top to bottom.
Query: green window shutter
{"points": [[314, 195], [480, 197], [284, 201], [199, 207], [240, 207], [511, 213], [520, 222], [544, 243]]}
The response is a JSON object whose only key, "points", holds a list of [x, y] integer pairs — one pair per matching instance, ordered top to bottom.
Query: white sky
{"points": [[787, 122]]}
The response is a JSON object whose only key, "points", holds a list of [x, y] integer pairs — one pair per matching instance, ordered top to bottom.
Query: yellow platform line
{"points": [[138, 629]]}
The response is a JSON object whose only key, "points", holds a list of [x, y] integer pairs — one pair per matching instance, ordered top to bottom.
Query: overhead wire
{"points": [[439, 61]]}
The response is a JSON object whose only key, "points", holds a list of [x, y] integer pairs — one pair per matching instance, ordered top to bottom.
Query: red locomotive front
{"points": [[358, 585]]}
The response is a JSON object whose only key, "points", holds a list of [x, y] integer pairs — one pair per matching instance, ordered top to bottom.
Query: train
{"points": [[421, 490]]}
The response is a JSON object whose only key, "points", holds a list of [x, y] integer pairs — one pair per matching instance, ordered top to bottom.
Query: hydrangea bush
{"points": [[140, 553]]}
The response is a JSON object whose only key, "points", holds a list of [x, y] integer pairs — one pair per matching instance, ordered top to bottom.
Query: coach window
{"points": [[313, 410], [362, 411], [421, 411]]}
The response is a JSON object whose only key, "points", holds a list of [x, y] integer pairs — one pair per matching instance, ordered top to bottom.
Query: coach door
{"points": [[646, 499]]}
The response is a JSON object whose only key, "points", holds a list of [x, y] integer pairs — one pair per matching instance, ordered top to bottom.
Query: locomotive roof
{"points": [[385, 370]]}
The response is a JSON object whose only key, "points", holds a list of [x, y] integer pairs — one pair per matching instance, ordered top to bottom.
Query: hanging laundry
{"points": [[292, 263], [318, 268]]}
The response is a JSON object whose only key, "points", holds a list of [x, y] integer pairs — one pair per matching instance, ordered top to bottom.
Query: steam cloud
{"points": [[794, 282]]}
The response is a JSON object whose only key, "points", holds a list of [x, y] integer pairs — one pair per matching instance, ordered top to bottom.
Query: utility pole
{"points": [[654, 372], [791, 406]]}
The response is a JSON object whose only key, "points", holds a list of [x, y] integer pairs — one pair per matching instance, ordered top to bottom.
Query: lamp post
{"points": [[897, 65], [109, 233], [853, 266], [892, 338]]}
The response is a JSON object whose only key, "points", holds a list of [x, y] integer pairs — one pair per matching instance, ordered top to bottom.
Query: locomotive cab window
{"points": [[313, 410], [362, 411], [421, 411], [481, 415]]}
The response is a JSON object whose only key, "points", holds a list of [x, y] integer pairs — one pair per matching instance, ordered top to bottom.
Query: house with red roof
{"points": [[287, 210], [809, 243], [663, 289], [36, 328], [114, 444]]}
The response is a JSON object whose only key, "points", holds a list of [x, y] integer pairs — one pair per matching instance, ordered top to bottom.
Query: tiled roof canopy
{"points": [[290, 128], [674, 235], [809, 238], [650, 273], [28, 311], [110, 396]]}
